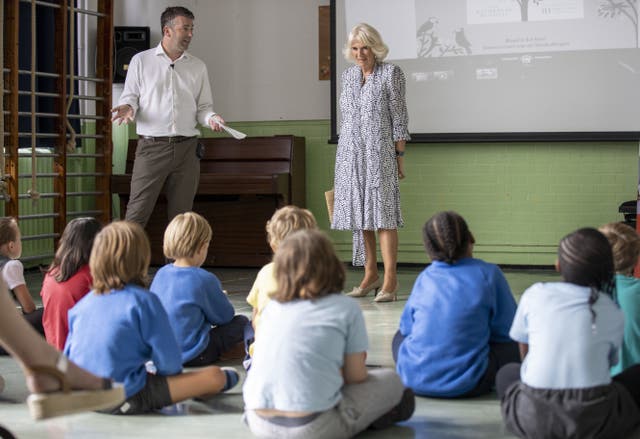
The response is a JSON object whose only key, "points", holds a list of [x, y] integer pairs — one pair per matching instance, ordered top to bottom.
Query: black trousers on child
{"points": [[222, 338], [628, 378], [607, 411]]}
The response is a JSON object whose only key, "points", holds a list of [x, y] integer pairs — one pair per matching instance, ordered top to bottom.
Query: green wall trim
{"points": [[518, 198]]}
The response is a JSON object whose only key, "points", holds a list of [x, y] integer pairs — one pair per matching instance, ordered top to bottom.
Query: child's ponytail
{"points": [[585, 258]]}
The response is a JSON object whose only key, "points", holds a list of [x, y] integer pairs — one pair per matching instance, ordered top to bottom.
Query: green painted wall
{"points": [[518, 198], [32, 225]]}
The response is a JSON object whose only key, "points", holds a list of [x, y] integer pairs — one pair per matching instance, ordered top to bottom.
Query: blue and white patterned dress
{"points": [[374, 116]]}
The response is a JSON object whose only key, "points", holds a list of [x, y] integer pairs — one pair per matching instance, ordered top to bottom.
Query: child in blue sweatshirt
{"points": [[199, 311], [120, 326], [454, 329]]}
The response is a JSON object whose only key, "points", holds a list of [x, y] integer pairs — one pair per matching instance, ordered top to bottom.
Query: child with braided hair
{"points": [[625, 245], [454, 329], [569, 334]]}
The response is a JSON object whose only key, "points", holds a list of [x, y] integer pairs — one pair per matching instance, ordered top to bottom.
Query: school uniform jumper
{"points": [[628, 298], [194, 302], [452, 315], [114, 334]]}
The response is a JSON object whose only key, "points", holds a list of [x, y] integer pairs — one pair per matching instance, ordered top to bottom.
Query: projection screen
{"points": [[487, 70]]}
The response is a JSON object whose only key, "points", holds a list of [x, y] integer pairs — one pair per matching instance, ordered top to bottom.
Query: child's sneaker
{"points": [[232, 378]]}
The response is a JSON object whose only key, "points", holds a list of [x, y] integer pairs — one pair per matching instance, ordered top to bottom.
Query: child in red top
{"points": [[68, 279]]}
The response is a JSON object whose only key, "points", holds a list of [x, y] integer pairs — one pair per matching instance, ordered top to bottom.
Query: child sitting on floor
{"points": [[284, 221], [625, 245], [13, 272], [68, 279], [200, 313], [119, 326], [454, 329], [569, 334], [308, 378]]}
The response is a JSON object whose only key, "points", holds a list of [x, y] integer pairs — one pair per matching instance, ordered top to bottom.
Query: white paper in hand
{"points": [[235, 133]]}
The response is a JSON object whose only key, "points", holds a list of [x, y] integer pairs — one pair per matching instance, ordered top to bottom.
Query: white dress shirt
{"points": [[168, 98]]}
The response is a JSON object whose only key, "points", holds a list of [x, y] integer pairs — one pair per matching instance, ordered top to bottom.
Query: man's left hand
{"points": [[215, 121]]}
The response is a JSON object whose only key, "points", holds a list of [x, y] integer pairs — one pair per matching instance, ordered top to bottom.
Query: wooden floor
{"points": [[221, 417]]}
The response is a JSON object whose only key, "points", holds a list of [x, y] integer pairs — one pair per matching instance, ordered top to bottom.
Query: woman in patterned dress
{"points": [[370, 159]]}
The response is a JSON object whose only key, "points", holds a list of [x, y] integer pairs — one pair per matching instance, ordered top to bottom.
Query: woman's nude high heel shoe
{"points": [[361, 292], [387, 296]]}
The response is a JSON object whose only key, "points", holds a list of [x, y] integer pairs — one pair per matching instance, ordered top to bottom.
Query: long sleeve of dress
{"points": [[398, 105]]}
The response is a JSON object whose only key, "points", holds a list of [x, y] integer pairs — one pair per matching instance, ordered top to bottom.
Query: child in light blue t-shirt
{"points": [[625, 245], [569, 334], [308, 377]]}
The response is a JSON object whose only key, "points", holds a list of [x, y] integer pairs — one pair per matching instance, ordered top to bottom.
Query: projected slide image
{"points": [[505, 11], [485, 27], [509, 66]]}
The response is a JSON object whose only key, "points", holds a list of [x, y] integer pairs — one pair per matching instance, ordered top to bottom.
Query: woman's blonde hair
{"points": [[370, 37], [286, 220], [185, 234], [625, 245], [120, 256], [307, 267]]}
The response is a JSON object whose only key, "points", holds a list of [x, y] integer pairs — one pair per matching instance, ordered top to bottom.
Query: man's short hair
{"points": [[172, 12]]}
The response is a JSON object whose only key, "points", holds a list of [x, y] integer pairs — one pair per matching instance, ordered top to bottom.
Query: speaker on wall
{"points": [[129, 40]]}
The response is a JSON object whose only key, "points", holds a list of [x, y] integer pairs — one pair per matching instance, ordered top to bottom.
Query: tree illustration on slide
{"points": [[524, 8], [627, 8]]}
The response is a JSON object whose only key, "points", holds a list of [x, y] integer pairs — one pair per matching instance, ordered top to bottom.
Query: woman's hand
{"points": [[400, 148], [400, 167]]}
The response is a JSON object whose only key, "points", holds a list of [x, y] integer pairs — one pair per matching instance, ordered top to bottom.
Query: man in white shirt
{"points": [[167, 92]]}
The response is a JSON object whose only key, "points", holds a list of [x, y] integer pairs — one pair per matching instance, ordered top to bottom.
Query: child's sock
{"points": [[232, 378]]}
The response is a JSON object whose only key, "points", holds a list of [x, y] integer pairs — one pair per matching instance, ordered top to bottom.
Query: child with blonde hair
{"points": [[284, 221], [625, 245], [13, 272], [68, 279], [201, 315], [120, 326], [308, 378]]}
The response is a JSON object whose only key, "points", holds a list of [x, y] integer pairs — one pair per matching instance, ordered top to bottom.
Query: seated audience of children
{"points": [[284, 221], [120, 326], [308, 377]]}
